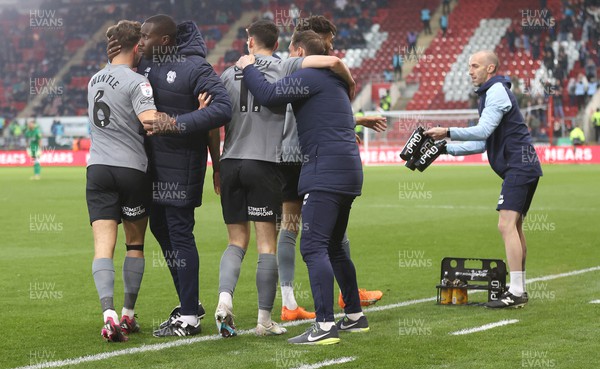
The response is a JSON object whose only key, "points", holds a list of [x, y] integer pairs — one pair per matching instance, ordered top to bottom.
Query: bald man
{"points": [[501, 132]]}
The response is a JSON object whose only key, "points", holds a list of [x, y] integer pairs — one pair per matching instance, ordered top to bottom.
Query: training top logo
{"points": [[147, 71], [171, 76]]}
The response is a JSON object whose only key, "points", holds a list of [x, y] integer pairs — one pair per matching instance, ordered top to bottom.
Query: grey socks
{"points": [[286, 256], [229, 270], [103, 271], [133, 271], [266, 280]]}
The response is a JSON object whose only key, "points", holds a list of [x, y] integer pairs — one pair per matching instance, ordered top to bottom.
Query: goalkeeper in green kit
{"points": [[33, 135]]}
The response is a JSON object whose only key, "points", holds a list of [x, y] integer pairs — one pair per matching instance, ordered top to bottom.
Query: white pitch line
{"points": [[562, 275], [595, 302], [484, 327], [189, 341], [321, 364]]}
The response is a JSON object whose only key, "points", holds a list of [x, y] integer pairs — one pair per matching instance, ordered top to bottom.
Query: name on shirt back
{"points": [[107, 78]]}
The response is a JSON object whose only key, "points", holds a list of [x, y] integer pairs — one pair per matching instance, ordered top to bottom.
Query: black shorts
{"points": [[290, 176], [250, 191], [117, 193], [517, 193]]}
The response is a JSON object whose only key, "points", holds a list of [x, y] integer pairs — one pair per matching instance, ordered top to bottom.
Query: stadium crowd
{"points": [[34, 55]]}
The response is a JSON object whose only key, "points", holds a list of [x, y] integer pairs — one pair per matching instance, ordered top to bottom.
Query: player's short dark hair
{"points": [[165, 25], [320, 25], [126, 32], [265, 32], [310, 41]]}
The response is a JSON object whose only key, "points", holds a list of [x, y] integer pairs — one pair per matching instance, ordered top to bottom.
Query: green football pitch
{"points": [[400, 229]]}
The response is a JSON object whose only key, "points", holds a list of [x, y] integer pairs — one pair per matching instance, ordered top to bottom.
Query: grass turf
{"points": [[400, 229]]}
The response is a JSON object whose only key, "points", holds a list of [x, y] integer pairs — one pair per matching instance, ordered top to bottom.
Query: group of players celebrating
{"points": [[289, 161], [280, 166]]}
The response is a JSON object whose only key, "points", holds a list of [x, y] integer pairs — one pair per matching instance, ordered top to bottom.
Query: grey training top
{"points": [[116, 95], [255, 132]]}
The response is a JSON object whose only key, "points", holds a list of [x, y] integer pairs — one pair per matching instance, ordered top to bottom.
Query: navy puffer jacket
{"points": [[178, 162]]}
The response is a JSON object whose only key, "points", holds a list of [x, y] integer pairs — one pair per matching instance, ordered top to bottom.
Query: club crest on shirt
{"points": [[171, 76]]}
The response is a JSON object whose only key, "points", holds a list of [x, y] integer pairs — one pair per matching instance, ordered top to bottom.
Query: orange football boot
{"points": [[297, 314]]}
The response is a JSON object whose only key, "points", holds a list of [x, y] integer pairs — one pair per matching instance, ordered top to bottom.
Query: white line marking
{"points": [[561, 275], [595, 302], [484, 327], [189, 341], [129, 351], [321, 364]]}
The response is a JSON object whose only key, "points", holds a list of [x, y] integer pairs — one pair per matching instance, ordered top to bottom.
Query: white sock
{"points": [[516, 283], [524, 284], [287, 297], [226, 299], [127, 312], [109, 313], [354, 316], [264, 317], [189, 319], [326, 326]]}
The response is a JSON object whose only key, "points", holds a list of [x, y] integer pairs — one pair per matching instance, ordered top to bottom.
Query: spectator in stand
{"points": [[446, 7], [373, 9], [426, 18], [444, 24], [566, 25], [587, 29], [511, 37], [412, 43], [525, 43], [535, 47], [548, 47], [583, 55], [397, 62], [549, 62], [563, 65], [590, 68], [581, 86], [591, 89], [571, 90], [557, 100], [385, 105], [540, 112], [596, 123], [58, 131]]}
